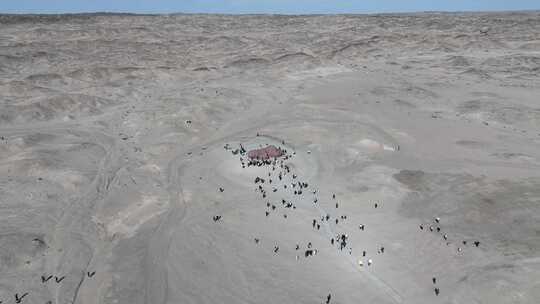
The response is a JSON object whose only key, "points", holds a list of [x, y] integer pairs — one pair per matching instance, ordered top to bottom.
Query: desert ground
{"points": [[410, 170]]}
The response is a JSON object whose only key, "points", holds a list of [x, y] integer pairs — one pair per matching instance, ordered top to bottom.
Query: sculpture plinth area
{"points": [[265, 153]]}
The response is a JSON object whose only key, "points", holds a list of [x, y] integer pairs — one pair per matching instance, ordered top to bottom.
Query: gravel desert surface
{"points": [[410, 170]]}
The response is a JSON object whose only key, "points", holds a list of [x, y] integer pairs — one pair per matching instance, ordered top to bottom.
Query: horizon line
{"points": [[266, 13]]}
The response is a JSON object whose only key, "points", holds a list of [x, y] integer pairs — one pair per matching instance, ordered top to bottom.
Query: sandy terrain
{"points": [[119, 181]]}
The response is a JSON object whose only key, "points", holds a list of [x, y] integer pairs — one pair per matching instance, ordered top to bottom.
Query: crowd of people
{"points": [[281, 180], [293, 188], [435, 226], [45, 280]]}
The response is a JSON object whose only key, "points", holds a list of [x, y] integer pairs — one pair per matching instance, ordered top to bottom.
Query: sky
{"points": [[261, 6]]}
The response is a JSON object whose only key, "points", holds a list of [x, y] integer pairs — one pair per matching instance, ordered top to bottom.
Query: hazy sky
{"points": [[261, 6]]}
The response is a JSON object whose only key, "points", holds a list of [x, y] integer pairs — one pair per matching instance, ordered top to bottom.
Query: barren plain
{"points": [[412, 172]]}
